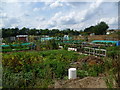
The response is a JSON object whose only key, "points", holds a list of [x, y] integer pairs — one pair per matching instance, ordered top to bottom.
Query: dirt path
{"points": [[87, 82]]}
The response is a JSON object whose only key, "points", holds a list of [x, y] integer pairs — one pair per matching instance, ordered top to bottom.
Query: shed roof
{"points": [[22, 36]]}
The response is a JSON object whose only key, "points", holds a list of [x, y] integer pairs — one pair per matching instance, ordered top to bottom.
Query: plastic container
{"points": [[72, 73]]}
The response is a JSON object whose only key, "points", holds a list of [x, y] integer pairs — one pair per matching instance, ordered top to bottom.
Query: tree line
{"points": [[99, 29]]}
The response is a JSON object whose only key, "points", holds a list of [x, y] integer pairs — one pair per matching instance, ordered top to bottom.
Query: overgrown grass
{"points": [[36, 69]]}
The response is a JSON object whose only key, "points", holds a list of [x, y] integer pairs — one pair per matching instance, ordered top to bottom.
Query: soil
{"points": [[91, 60], [87, 82]]}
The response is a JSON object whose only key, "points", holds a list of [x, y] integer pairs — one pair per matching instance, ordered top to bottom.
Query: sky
{"points": [[57, 14]]}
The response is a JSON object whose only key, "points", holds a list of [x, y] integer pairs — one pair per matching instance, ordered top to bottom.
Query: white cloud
{"points": [[56, 4], [36, 9], [92, 9], [3, 15], [69, 15], [79, 18], [40, 19], [70, 20], [111, 20], [10, 22], [1, 25]]}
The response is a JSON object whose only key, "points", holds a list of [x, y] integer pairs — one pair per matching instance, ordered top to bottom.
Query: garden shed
{"points": [[22, 37]]}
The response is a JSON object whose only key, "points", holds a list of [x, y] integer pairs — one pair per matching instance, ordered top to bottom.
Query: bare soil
{"points": [[87, 82]]}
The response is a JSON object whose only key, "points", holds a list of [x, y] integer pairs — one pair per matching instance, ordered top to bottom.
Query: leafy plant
{"points": [[36, 69]]}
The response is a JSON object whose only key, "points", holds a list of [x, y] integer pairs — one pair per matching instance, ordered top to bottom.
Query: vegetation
{"points": [[99, 29], [113, 52], [114, 67], [36, 69], [39, 69], [88, 70]]}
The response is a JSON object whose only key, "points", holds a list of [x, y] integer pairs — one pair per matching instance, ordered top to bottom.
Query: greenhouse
{"points": [[56, 38], [72, 41], [107, 41], [15, 44], [17, 47]]}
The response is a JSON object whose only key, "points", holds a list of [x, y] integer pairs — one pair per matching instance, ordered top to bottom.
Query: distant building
{"points": [[111, 31], [92, 34], [44, 36], [22, 37], [66, 37], [12, 38], [117, 43]]}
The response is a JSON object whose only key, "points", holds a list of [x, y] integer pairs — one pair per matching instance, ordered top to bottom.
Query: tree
{"points": [[90, 29], [99, 29], [24, 31], [32, 32], [118, 35]]}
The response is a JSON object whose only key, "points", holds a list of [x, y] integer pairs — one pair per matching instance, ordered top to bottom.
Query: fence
{"points": [[90, 51], [94, 51]]}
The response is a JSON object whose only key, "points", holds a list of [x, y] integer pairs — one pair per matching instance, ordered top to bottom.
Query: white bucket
{"points": [[72, 73]]}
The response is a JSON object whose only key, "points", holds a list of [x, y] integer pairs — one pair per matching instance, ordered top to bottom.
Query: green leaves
{"points": [[99, 29], [113, 52], [35, 69]]}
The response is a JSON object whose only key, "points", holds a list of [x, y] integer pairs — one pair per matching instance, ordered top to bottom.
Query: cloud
{"points": [[56, 4], [36, 9], [92, 10], [3, 15], [75, 15], [81, 18], [40, 19], [60, 19], [70, 20], [111, 20], [10, 22]]}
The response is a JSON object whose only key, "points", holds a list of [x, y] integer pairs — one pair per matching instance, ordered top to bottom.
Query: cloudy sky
{"points": [[61, 15]]}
